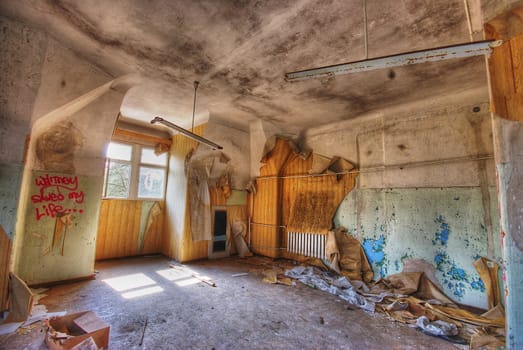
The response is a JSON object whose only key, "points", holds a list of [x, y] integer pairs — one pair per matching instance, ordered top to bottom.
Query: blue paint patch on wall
{"points": [[442, 235], [375, 254], [455, 278], [477, 284]]}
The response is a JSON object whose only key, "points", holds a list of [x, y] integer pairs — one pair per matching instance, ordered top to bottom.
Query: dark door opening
{"points": [[219, 241]]}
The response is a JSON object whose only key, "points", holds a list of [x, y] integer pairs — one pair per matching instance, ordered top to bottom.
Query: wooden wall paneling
{"points": [[506, 73], [288, 196], [102, 227], [118, 228], [264, 230], [266, 234], [132, 244], [5, 254]]}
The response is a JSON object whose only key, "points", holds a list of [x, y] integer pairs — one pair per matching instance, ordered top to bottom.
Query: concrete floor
{"points": [[239, 313]]}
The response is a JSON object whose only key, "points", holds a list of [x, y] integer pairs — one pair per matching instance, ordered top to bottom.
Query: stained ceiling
{"points": [[240, 50]]}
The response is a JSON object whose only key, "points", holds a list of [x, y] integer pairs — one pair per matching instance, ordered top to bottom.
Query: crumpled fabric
{"points": [[340, 286], [437, 328]]}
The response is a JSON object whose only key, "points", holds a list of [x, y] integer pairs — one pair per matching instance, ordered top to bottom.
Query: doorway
{"points": [[218, 246]]}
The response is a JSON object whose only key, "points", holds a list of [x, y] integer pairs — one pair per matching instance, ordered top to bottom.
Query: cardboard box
{"points": [[78, 327]]}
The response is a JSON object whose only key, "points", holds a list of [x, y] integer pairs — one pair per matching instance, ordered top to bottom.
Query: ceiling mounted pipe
{"points": [[403, 59], [187, 133]]}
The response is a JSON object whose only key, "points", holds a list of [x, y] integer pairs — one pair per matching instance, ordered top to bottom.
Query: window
{"points": [[134, 172]]}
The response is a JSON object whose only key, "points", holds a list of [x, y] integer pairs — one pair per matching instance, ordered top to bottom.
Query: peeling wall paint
{"points": [[22, 50], [10, 181], [426, 188], [443, 226]]}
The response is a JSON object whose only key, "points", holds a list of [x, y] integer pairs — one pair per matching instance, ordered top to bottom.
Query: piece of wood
{"points": [[132, 135], [5, 254], [209, 282], [20, 299], [143, 331]]}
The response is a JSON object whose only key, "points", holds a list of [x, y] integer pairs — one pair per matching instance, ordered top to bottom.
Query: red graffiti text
{"points": [[55, 193]]}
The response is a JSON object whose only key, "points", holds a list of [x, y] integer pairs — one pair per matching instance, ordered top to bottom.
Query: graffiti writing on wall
{"points": [[57, 196]]}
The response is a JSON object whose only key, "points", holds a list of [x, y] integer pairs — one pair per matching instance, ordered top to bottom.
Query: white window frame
{"points": [[136, 164]]}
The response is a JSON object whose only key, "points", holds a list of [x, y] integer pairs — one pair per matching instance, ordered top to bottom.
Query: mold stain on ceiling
{"points": [[240, 51]]}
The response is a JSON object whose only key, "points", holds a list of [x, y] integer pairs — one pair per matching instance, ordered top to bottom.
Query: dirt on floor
{"points": [[152, 304]]}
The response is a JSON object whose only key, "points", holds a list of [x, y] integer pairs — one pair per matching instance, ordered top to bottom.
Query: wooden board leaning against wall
{"points": [[291, 196]]}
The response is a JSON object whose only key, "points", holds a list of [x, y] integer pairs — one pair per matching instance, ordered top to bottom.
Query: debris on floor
{"points": [[184, 269], [240, 274], [276, 276], [398, 296], [412, 297], [24, 310], [68, 332]]}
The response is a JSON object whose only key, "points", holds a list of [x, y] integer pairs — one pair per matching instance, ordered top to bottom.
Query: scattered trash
{"points": [[176, 265], [276, 277], [339, 286], [411, 298], [437, 328], [67, 332], [87, 344]]}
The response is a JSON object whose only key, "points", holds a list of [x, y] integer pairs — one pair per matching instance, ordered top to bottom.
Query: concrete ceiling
{"points": [[240, 50]]}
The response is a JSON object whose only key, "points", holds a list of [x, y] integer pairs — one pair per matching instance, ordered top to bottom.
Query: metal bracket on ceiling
{"points": [[403, 59]]}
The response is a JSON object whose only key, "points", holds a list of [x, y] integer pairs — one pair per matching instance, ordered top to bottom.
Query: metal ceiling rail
{"points": [[403, 59]]}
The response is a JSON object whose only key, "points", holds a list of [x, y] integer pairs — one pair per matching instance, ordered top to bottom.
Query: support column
{"points": [[506, 86], [509, 164]]}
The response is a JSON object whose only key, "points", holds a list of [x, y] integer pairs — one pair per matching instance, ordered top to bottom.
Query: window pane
{"points": [[119, 151], [148, 157], [118, 179], [151, 182]]}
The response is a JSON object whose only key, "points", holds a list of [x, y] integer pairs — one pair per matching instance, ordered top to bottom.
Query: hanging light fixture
{"points": [[186, 132]]}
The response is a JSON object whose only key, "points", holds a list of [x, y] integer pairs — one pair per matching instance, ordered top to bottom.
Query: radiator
{"points": [[306, 243]]}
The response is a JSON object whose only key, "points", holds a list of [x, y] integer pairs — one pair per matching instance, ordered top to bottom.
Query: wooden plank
{"points": [[506, 74], [132, 135], [5, 254]]}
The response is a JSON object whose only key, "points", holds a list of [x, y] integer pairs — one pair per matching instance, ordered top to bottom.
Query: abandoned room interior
{"points": [[305, 174]]}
